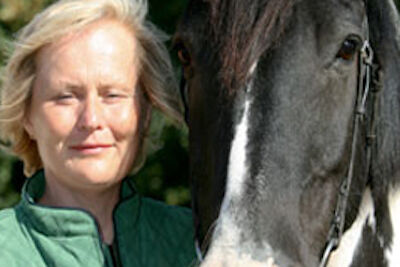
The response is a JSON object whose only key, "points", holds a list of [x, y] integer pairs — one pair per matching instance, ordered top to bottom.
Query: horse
{"points": [[293, 109]]}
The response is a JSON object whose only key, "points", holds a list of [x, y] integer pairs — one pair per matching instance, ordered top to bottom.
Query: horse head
{"points": [[274, 90]]}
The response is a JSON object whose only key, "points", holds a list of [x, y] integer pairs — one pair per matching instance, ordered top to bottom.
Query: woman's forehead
{"points": [[108, 37], [104, 48]]}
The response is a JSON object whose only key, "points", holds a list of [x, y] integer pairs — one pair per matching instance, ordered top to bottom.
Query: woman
{"points": [[75, 107]]}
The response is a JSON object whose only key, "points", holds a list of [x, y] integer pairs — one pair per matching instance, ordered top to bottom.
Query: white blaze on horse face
{"points": [[253, 68], [237, 168], [226, 236], [227, 245], [226, 249], [393, 254], [343, 256], [237, 261]]}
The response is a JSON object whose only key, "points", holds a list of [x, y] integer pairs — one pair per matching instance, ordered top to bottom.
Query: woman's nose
{"points": [[91, 115]]}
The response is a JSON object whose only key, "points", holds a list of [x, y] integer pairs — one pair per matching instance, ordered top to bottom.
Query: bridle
{"points": [[369, 86], [368, 89]]}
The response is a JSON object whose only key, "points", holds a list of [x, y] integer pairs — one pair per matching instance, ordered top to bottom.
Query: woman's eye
{"points": [[349, 48], [183, 55], [115, 96], [65, 97]]}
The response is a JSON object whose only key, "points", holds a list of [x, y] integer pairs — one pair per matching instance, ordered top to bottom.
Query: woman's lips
{"points": [[91, 148]]}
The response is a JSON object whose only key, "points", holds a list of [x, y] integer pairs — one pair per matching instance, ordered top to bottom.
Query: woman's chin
{"points": [[96, 170], [98, 178]]}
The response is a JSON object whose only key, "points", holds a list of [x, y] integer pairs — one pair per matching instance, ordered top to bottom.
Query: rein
{"points": [[368, 86]]}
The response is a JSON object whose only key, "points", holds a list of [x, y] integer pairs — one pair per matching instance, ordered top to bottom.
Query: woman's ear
{"points": [[27, 124]]}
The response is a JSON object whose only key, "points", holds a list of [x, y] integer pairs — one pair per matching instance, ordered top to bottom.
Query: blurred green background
{"points": [[165, 174]]}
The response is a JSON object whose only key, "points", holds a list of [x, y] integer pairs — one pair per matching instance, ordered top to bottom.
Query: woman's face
{"points": [[85, 106]]}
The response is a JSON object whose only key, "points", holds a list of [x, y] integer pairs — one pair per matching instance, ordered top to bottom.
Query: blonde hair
{"points": [[156, 78]]}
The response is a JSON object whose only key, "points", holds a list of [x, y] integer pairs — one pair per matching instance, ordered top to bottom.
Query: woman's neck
{"points": [[99, 204]]}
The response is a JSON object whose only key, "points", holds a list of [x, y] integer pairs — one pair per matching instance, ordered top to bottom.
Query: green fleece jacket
{"points": [[147, 233]]}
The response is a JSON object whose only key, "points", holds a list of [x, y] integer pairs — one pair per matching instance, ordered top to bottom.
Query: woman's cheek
{"points": [[124, 120], [58, 121]]}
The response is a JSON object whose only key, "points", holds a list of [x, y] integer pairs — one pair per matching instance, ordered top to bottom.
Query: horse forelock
{"points": [[242, 31]]}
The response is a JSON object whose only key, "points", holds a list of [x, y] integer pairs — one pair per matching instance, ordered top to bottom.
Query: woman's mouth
{"points": [[90, 149]]}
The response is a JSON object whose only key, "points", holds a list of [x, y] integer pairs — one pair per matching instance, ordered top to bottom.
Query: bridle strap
{"points": [[364, 91]]}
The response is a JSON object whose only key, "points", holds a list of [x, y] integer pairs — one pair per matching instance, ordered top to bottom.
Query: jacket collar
{"points": [[71, 222]]}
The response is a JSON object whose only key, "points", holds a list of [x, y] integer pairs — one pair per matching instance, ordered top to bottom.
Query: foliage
{"points": [[165, 173]]}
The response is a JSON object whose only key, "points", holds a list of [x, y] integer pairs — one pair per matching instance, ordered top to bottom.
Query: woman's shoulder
{"points": [[168, 213], [7, 214], [12, 221], [174, 222], [8, 224], [169, 230], [15, 248]]}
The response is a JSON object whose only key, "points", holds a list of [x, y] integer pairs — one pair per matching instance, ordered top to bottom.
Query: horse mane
{"points": [[243, 30]]}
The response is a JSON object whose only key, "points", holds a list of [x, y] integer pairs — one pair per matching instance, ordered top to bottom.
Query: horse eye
{"points": [[349, 49], [183, 55]]}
